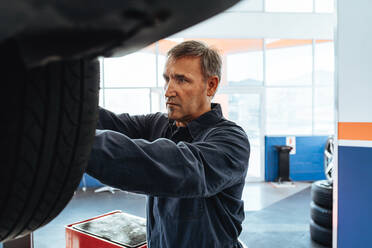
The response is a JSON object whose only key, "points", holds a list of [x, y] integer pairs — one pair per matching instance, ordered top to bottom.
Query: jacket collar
{"points": [[206, 120]]}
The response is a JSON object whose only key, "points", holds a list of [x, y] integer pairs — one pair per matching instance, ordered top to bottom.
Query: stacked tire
{"points": [[321, 212]]}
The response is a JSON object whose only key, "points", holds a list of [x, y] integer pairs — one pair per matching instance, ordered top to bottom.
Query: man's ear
{"points": [[212, 85]]}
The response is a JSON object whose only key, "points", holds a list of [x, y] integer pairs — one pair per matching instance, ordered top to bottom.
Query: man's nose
{"points": [[169, 89]]}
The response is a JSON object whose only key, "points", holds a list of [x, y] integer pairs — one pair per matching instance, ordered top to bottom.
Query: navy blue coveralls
{"points": [[193, 176]]}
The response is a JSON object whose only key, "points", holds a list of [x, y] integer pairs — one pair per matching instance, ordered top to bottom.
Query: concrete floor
{"points": [[258, 196], [271, 214], [283, 224]]}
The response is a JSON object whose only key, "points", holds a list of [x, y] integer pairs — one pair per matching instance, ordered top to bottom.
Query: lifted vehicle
{"points": [[50, 91]]}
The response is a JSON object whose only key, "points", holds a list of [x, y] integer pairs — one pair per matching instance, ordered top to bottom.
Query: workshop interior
{"points": [[295, 76]]}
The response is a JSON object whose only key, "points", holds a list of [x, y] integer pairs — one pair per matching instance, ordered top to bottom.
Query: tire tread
{"points": [[54, 129]]}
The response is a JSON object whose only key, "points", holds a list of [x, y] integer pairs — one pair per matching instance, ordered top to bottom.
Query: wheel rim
{"points": [[329, 159]]}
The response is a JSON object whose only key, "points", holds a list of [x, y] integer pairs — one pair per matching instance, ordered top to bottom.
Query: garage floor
{"points": [[275, 216]]}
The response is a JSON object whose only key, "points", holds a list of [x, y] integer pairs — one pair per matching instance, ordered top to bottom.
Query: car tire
{"points": [[49, 119], [321, 193], [321, 216], [320, 234]]}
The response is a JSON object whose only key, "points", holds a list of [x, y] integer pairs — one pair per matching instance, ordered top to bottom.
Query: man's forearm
{"points": [[132, 126]]}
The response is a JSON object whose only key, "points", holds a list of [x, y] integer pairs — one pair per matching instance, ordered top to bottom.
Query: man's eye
{"points": [[182, 80]]}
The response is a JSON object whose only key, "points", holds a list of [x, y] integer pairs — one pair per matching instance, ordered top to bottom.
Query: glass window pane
{"points": [[247, 5], [289, 5], [325, 6], [289, 62], [324, 63], [161, 68], [245, 69], [101, 70], [134, 70], [132, 101], [100, 102], [158, 102], [324, 110], [288, 111]]}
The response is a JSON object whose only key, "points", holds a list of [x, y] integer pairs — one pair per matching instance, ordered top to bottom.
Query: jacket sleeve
{"points": [[132, 126], [164, 168]]}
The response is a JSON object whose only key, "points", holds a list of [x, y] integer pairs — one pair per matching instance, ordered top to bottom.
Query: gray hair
{"points": [[210, 59]]}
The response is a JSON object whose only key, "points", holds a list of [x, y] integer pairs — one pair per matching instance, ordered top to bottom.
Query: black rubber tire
{"points": [[46, 137], [321, 193], [320, 215], [320, 234]]}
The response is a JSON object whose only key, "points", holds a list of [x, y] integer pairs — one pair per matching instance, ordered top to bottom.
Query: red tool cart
{"points": [[112, 230]]}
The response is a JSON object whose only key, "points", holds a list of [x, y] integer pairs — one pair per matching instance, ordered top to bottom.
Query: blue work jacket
{"points": [[193, 176]]}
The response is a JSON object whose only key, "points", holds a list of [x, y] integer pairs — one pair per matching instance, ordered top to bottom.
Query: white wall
{"points": [[354, 56]]}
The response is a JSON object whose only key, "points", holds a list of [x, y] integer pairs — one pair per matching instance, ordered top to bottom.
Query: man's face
{"points": [[186, 91]]}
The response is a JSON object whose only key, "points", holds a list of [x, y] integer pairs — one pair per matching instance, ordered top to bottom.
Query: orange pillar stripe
{"points": [[355, 130]]}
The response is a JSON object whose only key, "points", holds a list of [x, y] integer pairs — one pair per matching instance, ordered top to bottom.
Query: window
{"points": [[247, 5], [289, 5], [319, 6], [325, 6], [288, 62], [324, 62], [161, 67], [245, 68], [133, 70], [127, 82], [324, 87], [132, 101], [157, 101], [100, 103], [324, 110], [288, 111]]}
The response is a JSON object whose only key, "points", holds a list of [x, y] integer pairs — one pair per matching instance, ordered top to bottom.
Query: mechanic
{"points": [[191, 162]]}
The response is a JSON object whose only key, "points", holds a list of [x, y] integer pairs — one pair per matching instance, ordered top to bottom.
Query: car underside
{"points": [[53, 30], [51, 82]]}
